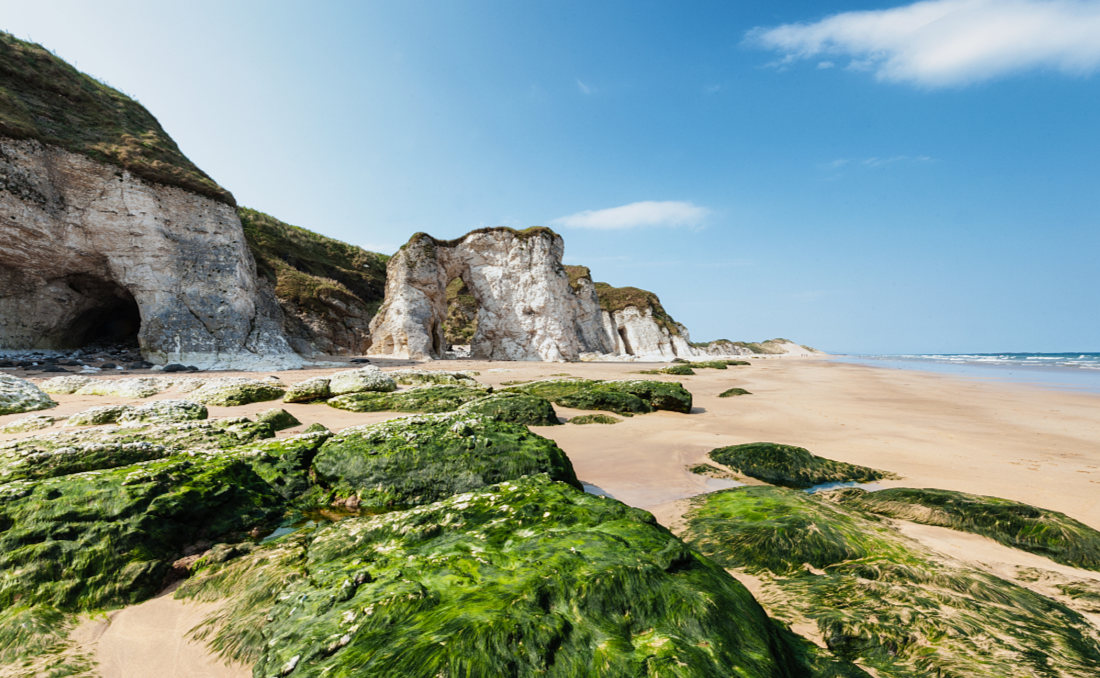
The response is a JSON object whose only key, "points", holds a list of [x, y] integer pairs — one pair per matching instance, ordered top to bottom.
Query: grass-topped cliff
{"points": [[44, 98], [328, 290]]}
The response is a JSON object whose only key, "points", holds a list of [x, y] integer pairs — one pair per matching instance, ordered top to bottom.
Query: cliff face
{"points": [[112, 235], [94, 253], [328, 290], [526, 309]]}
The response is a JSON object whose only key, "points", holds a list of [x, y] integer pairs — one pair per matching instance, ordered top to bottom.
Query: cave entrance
{"points": [[110, 319], [460, 325]]}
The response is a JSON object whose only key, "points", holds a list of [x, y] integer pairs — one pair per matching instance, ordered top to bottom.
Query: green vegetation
{"points": [[44, 98], [577, 274], [313, 275], [614, 299], [460, 325], [678, 370], [422, 377], [233, 391], [735, 391], [628, 397], [443, 398], [518, 408], [595, 419], [420, 459], [791, 466], [709, 470], [1047, 533], [530, 577], [883, 600]]}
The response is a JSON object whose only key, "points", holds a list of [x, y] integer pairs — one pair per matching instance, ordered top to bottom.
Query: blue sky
{"points": [[859, 176]]}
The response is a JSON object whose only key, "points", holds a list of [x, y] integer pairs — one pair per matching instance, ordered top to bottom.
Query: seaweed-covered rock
{"points": [[681, 370], [422, 377], [360, 380], [70, 383], [132, 387], [232, 391], [308, 391], [735, 391], [20, 395], [660, 395], [632, 396], [598, 397], [419, 399], [518, 408], [163, 412], [97, 416], [278, 418], [595, 419], [31, 422], [420, 459], [284, 463], [791, 466], [1042, 531], [524, 578], [882, 599]]}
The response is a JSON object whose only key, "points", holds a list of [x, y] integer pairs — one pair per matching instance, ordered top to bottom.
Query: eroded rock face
{"points": [[94, 253], [526, 307]]}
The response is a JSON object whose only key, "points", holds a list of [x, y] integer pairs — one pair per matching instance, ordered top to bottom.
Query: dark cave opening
{"points": [[114, 321]]}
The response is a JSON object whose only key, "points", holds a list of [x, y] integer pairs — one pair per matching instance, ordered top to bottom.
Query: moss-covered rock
{"points": [[678, 370], [424, 377], [363, 380], [132, 387], [233, 391], [308, 391], [735, 391], [20, 395], [660, 395], [632, 396], [599, 397], [420, 399], [518, 408], [163, 412], [97, 416], [278, 418], [595, 419], [32, 422], [420, 459], [791, 466], [1042, 531], [524, 578], [882, 599]]}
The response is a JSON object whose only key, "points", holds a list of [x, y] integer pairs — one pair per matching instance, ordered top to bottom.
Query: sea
{"points": [[1073, 371]]}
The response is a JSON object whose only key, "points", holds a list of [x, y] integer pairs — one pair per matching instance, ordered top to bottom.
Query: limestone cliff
{"points": [[111, 234], [526, 309]]}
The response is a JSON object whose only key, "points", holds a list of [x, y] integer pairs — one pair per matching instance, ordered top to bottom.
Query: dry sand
{"points": [[1025, 443]]}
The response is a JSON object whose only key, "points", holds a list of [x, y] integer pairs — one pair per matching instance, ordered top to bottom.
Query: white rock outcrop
{"points": [[91, 249], [527, 309]]}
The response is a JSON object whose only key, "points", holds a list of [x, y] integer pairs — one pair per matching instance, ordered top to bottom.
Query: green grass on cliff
{"points": [[44, 98], [310, 271], [614, 299], [791, 466], [1047, 533], [524, 578], [883, 600]]}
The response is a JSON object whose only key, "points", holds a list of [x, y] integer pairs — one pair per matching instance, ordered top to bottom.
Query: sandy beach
{"points": [[1038, 446]]}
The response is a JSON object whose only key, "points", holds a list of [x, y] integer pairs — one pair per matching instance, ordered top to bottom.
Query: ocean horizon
{"points": [[1067, 371]]}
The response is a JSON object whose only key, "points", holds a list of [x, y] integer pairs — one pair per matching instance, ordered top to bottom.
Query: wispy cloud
{"points": [[938, 43], [584, 88], [876, 162], [668, 213]]}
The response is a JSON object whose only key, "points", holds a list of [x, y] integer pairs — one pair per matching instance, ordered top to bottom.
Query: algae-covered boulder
{"points": [[678, 370], [422, 377], [367, 379], [360, 380], [70, 383], [133, 387], [232, 391], [732, 392], [19, 395], [659, 395], [633, 396], [419, 399], [518, 408], [163, 412], [97, 416], [278, 418], [594, 419], [31, 422], [420, 459], [284, 463], [791, 466], [1048, 533], [524, 578], [882, 599]]}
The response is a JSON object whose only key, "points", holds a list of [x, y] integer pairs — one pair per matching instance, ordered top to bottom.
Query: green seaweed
{"points": [[735, 391], [627, 397], [442, 398], [518, 408], [594, 419], [791, 466], [1037, 530]]}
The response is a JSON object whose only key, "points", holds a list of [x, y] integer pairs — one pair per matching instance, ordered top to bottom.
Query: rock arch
{"points": [[526, 308]]}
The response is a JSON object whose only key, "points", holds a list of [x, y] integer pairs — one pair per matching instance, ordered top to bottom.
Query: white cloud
{"points": [[939, 43], [585, 89], [668, 213]]}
